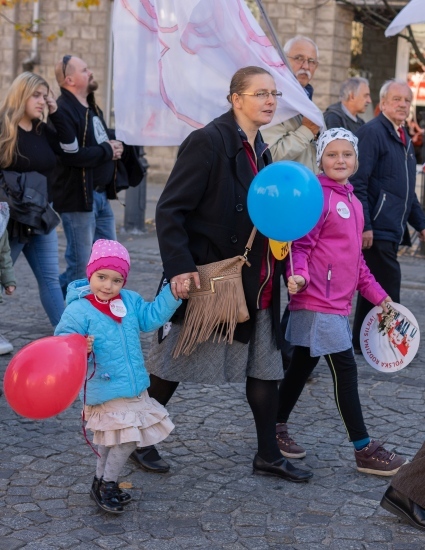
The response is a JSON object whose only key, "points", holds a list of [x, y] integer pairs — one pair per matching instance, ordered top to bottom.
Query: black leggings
{"points": [[344, 374], [262, 396]]}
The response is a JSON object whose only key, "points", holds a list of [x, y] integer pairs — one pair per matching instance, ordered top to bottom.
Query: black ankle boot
{"points": [[105, 495], [124, 498]]}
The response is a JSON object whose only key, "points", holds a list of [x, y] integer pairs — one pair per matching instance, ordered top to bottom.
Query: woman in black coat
{"points": [[201, 218]]}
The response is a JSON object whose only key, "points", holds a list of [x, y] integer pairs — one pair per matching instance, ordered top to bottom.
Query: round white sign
{"points": [[389, 341]]}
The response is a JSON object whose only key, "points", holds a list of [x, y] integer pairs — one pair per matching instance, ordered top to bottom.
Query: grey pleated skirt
{"points": [[218, 363]]}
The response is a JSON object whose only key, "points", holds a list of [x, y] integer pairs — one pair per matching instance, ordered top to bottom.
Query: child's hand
{"points": [[295, 283], [10, 290], [384, 304], [90, 340]]}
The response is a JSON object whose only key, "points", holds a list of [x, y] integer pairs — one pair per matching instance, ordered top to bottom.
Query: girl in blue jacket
{"points": [[117, 406]]}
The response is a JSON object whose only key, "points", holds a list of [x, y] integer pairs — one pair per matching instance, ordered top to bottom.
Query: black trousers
{"points": [[382, 261], [344, 374]]}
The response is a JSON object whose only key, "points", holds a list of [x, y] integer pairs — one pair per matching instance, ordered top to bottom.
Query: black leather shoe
{"points": [[155, 466], [281, 468], [105, 496], [124, 498], [396, 503]]}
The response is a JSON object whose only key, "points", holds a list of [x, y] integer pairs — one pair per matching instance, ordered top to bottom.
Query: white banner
{"points": [[173, 62]]}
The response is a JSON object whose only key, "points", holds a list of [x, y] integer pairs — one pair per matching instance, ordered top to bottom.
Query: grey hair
{"points": [[299, 38], [387, 85], [351, 86]]}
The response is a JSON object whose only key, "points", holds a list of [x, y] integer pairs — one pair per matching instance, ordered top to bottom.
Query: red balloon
{"points": [[44, 377]]}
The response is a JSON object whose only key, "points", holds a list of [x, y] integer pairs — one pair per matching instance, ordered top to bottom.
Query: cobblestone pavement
{"points": [[210, 499]]}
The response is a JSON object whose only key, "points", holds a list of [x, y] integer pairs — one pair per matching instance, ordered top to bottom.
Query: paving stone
{"points": [[111, 542], [10, 543]]}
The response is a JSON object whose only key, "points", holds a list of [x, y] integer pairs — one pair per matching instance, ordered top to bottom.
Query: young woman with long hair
{"points": [[28, 146]]}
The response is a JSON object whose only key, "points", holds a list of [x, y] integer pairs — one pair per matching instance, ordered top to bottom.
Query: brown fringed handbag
{"points": [[218, 306]]}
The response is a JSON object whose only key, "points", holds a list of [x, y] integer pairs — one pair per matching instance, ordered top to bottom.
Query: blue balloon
{"points": [[285, 200]]}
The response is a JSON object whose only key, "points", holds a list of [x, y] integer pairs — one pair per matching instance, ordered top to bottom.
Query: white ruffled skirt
{"points": [[140, 419]]}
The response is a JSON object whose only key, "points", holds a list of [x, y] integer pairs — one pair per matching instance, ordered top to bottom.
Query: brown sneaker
{"points": [[286, 444], [375, 459]]}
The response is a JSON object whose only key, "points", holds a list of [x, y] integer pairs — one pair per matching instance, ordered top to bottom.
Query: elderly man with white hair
{"points": [[354, 96], [294, 139], [385, 185]]}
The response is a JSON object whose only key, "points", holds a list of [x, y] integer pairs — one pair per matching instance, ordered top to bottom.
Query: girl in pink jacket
{"points": [[328, 269]]}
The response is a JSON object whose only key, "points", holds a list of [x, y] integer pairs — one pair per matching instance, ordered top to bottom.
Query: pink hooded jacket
{"points": [[330, 257]]}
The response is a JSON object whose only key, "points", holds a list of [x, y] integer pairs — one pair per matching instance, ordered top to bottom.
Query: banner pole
{"points": [[272, 32]]}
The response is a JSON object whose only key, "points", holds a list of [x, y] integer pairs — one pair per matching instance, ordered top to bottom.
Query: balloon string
{"points": [[290, 259], [83, 417]]}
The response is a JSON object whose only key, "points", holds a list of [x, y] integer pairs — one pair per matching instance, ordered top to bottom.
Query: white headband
{"points": [[332, 135]]}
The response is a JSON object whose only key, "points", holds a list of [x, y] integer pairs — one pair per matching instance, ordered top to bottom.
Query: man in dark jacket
{"points": [[354, 98], [86, 179], [385, 184]]}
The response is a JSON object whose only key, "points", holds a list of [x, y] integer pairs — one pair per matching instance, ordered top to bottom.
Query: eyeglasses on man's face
{"points": [[300, 60], [65, 61], [263, 95]]}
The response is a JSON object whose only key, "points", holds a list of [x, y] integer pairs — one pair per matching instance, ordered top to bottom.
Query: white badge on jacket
{"points": [[343, 210], [118, 308]]}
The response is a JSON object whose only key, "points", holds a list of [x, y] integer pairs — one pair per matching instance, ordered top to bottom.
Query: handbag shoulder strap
{"points": [[248, 245]]}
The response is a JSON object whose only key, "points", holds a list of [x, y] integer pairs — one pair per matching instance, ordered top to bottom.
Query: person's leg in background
{"points": [[104, 216], [79, 229], [41, 253], [382, 261], [148, 458], [405, 497]]}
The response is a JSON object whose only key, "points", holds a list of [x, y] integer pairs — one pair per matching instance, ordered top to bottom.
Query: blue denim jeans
{"points": [[82, 229], [42, 255]]}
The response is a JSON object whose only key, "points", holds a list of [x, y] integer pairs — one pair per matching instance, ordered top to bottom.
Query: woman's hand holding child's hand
{"points": [[295, 283], [10, 290], [384, 304], [90, 340]]}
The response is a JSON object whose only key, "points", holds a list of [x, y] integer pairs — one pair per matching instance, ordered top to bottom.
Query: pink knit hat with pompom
{"points": [[108, 255]]}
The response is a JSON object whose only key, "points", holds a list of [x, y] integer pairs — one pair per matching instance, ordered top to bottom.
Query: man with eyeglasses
{"points": [[354, 96], [294, 139], [86, 178]]}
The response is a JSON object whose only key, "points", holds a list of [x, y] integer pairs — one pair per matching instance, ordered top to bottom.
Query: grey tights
{"points": [[112, 460]]}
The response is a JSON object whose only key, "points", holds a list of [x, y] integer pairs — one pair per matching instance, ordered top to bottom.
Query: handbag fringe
{"points": [[203, 319]]}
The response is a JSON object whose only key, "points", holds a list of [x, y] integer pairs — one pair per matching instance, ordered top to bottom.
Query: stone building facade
{"points": [[87, 34]]}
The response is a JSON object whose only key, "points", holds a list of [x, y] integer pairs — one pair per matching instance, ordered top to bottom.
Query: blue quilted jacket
{"points": [[120, 367]]}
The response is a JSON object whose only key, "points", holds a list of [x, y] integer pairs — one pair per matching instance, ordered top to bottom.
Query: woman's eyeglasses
{"points": [[65, 61], [263, 95]]}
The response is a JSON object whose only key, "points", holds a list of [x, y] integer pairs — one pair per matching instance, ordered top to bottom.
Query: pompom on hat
{"points": [[107, 254]]}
